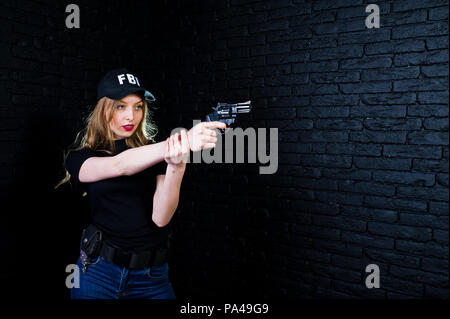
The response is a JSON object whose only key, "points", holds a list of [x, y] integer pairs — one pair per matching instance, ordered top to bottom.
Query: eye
{"points": [[119, 107], [138, 107]]}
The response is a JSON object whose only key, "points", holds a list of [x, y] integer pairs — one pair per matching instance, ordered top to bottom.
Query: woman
{"points": [[133, 185]]}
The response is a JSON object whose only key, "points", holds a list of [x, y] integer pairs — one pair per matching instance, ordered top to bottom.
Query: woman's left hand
{"points": [[178, 149]]}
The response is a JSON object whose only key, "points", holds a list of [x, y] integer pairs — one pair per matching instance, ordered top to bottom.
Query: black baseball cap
{"points": [[119, 83]]}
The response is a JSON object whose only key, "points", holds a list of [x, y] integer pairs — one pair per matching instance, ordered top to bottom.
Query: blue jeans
{"points": [[105, 280]]}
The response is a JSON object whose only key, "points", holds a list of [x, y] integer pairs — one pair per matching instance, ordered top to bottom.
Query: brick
{"points": [[324, 5], [405, 5], [272, 6], [358, 11], [440, 13], [314, 17], [400, 18], [340, 26], [420, 30], [289, 34], [367, 36], [437, 42], [315, 43], [395, 46], [343, 52], [283, 58], [425, 58], [367, 62], [325, 66], [435, 70], [260, 71], [390, 74], [336, 77], [285, 80], [425, 84], [368, 87], [315, 89], [271, 91], [389, 98], [433, 98], [333, 100], [288, 101], [428, 110], [392, 111], [322, 112], [279, 113], [338, 124], [392, 124], [288, 125], [324, 136], [378, 137], [429, 138], [294, 148], [354, 149], [412, 151], [326, 160], [382, 163], [430, 165], [292, 170], [342, 173], [415, 178], [442, 179], [367, 188], [435, 193], [332, 197], [392, 203], [438, 208], [368, 214], [440, 222], [399, 231], [441, 236], [366, 240], [337, 247], [423, 249], [391, 257], [357, 264], [435, 265], [415, 275], [402, 286], [358, 290]]}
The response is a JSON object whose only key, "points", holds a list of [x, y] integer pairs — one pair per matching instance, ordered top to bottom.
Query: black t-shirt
{"points": [[122, 206]]}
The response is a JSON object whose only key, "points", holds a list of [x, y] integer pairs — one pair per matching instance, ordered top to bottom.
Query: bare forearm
{"points": [[135, 160], [166, 200]]}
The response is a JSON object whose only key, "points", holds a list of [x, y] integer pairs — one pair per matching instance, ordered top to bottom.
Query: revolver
{"points": [[227, 113]]}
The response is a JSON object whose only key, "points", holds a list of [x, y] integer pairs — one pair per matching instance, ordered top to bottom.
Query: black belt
{"points": [[131, 259]]}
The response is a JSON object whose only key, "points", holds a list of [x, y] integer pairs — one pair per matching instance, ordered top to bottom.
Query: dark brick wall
{"points": [[363, 129]]}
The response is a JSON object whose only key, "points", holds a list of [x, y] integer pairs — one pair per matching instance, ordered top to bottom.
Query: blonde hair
{"points": [[98, 136]]}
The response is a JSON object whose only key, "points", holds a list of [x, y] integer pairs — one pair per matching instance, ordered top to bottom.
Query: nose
{"points": [[129, 115]]}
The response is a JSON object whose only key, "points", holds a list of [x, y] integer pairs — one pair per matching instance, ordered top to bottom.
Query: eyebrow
{"points": [[126, 102]]}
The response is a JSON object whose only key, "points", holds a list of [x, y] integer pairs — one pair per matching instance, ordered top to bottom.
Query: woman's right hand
{"points": [[203, 135], [177, 151]]}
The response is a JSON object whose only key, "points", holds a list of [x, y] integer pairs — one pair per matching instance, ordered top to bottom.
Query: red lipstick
{"points": [[128, 127]]}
